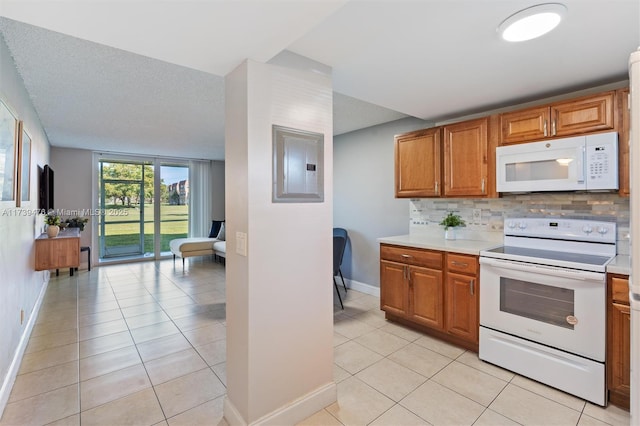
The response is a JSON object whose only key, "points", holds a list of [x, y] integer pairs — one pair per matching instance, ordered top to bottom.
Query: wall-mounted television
{"points": [[45, 188]]}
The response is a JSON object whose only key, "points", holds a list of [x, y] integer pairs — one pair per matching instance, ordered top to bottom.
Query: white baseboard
{"points": [[363, 288], [12, 373], [231, 414], [290, 414]]}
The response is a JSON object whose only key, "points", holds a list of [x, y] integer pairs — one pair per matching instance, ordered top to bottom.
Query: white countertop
{"points": [[434, 243], [619, 265]]}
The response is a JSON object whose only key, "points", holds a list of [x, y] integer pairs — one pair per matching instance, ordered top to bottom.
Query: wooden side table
{"points": [[60, 252]]}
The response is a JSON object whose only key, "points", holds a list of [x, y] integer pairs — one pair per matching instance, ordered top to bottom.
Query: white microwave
{"points": [[582, 163]]}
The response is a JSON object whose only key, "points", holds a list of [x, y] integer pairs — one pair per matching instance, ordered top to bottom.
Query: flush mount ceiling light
{"points": [[532, 22]]}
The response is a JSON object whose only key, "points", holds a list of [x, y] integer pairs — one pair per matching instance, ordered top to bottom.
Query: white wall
{"points": [[73, 170], [364, 202], [20, 285], [280, 296]]}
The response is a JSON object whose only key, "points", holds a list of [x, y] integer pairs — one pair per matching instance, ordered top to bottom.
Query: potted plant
{"points": [[77, 222], [450, 222], [53, 224]]}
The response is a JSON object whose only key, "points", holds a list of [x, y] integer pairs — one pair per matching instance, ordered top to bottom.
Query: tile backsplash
{"points": [[426, 213]]}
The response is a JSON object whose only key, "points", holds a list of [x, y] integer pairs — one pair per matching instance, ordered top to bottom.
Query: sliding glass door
{"points": [[126, 203], [174, 204], [141, 210]]}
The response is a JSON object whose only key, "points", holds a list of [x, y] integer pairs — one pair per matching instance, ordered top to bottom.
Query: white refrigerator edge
{"points": [[634, 237]]}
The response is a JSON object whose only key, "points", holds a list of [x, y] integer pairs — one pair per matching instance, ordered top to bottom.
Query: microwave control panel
{"points": [[601, 162]]}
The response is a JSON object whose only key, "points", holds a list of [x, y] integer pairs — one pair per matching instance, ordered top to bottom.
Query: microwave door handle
{"points": [[580, 163]]}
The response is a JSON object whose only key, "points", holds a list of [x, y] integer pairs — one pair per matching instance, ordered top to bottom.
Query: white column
{"points": [[280, 295]]}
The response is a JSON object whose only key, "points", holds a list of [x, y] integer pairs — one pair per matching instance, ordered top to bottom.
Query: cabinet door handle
{"points": [[553, 127], [545, 128], [483, 185], [436, 188], [407, 256], [461, 264], [404, 272], [472, 285]]}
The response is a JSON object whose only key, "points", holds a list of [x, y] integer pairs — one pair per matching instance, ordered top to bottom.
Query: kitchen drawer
{"points": [[411, 256], [462, 264], [620, 289]]}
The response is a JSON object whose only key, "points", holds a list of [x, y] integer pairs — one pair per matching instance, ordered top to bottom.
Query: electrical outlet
{"points": [[477, 215], [495, 226]]}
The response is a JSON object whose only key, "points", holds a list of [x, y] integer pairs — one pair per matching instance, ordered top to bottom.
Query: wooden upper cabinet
{"points": [[622, 100], [584, 115], [561, 119], [525, 125], [465, 159], [458, 160], [417, 164]]}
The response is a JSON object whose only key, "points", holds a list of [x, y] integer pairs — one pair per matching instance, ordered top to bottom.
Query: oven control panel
{"points": [[561, 229]]}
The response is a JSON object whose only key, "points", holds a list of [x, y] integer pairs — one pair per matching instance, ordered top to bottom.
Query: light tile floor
{"points": [[145, 344]]}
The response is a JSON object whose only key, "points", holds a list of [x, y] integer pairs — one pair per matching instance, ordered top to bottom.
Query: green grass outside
{"points": [[174, 224]]}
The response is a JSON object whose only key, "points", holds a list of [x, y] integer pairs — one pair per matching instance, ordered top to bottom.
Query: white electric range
{"points": [[543, 302]]}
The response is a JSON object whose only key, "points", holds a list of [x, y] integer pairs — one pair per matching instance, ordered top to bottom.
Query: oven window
{"points": [[536, 170], [545, 303]]}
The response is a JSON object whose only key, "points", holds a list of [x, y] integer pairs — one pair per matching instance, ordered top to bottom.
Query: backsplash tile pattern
{"points": [[426, 213]]}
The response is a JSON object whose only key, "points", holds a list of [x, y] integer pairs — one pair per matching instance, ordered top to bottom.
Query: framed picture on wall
{"points": [[8, 142], [24, 166]]}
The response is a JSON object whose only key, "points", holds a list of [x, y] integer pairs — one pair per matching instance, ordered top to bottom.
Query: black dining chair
{"points": [[339, 244]]}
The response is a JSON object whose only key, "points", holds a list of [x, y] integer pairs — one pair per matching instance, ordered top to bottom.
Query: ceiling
{"points": [[147, 77]]}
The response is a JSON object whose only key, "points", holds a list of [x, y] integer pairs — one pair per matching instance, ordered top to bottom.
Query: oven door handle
{"points": [[543, 269]]}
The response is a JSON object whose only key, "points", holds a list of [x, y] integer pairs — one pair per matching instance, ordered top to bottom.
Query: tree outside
{"points": [[124, 205]]}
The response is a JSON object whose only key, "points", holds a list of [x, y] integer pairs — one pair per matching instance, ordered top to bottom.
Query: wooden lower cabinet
{"points": [[60, 252], [416, 289], [412, 292], [394, 297], [426, 297], [462, 306], [618, 340]]}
